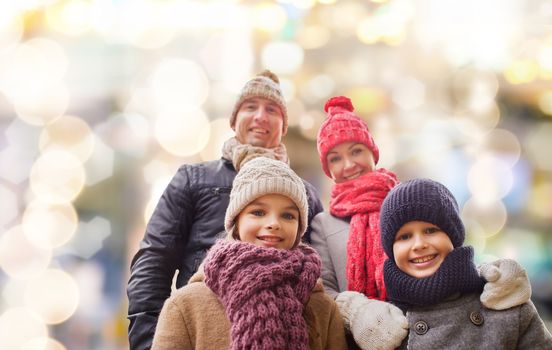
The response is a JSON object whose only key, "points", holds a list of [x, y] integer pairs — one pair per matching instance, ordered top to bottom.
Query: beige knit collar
{"points": [[239, 153]]}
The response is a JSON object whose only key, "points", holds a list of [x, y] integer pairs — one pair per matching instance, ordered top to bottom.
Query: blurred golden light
{"points": [[327, 2], [303, 4], [269, 17], [343, 17], [71, 18], [146, 24], [11, 29], [368, 31], [313, 37], [282, 57], [55, 61], [545, 61], [521, 71], [176, 82], [320, 87], [288, 89], [409, 93], [367, 100], [545, 102], [43, 105], [296, 108], [310, 123], [220, 132], [70, 134], [183, 134], [503, 144], [537, 146], [100, 164], [57, 177], [490, 179], [539, 203], [8, 206], [491, 217], [49, 225], [475, 236], [19, 258], [53, 296], [18, 325], [43, 343]]}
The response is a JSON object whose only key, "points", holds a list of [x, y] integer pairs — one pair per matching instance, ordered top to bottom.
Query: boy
{"points": [[431, 276]]}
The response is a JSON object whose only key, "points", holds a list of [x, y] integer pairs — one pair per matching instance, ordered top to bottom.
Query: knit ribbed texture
{"points": [[266, 85], [341, 126], [239, 153], [262, 176], [361, 199], [420, 200], [457, 274], [264, 292]]}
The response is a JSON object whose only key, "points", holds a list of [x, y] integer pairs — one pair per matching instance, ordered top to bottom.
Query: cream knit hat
{"points": [[266, 85], [261, 176]]}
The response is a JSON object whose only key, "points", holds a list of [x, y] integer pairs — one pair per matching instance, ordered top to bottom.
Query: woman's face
{"points": [[349, 160], [270, 221]]}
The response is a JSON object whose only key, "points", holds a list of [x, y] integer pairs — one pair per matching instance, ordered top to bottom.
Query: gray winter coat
{"points": [[329, 237], [464, 323]]}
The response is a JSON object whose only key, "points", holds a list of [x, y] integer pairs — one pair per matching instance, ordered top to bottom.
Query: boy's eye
{"points": [[431, 230], [403, 237]]}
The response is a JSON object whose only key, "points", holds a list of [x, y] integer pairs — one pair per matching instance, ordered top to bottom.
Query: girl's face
{"points": [[349, 160], [270, 221], [420, 248]]}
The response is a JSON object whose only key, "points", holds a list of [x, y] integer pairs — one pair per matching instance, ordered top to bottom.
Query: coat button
{"points": [[476, 318], [421, 327]]}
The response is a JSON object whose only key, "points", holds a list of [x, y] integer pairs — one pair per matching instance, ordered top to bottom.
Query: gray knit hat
{"points": [[266, 85], [261, 176], [420, 200]]}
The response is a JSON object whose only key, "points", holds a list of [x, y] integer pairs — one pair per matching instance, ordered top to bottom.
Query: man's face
{"points": [[259, 122]]}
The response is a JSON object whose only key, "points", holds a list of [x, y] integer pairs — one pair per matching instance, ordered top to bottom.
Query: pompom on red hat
{"points": [[342, 125]]}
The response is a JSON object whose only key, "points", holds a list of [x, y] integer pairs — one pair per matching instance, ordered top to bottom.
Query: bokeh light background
{"points": [[102, 100]]}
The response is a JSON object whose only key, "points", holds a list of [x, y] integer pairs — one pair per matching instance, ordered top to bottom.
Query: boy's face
{"points": [[259, 122], [349, 160], [269, 221], [420, 248]]}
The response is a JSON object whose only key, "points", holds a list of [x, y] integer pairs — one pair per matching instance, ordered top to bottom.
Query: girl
{"points": [[348, 237], [431, 276], [257, 289]]}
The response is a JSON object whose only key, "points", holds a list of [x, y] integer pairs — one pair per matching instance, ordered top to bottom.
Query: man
{"points": [[190, 214]]}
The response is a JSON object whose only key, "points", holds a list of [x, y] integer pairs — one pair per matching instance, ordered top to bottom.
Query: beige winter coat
{"points": [[194, 318]]}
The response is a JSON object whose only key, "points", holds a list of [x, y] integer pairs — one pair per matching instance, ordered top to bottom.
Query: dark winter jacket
{"points": [[185, 223]]}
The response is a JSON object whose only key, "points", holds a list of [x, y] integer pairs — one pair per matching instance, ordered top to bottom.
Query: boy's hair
{"points": [[261, 176], [420, 200]]}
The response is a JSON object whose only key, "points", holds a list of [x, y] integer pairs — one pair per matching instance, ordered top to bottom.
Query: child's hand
{"points": [[507, 284], [374, 324]]}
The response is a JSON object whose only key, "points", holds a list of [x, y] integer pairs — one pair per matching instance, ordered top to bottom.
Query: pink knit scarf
{"points": [[361, 200], [264, 291]]}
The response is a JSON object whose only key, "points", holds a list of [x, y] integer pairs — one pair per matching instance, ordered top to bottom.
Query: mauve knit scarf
{"points": [[361, 199], [457, 274], [264, 291]]}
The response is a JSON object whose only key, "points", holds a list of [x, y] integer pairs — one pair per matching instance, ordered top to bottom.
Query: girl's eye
{"points": [[257, 212], [288, 216]]}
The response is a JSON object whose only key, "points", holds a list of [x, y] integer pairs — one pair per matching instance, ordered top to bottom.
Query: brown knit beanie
{"points": [[266, 85], [262, 176]]}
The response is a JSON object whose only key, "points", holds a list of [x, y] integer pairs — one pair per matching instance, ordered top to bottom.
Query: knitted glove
{"points": [[507, 284], [374, 324]]}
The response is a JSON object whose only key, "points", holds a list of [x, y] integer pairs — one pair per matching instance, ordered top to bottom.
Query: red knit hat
{"points": [[342, 125]]}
